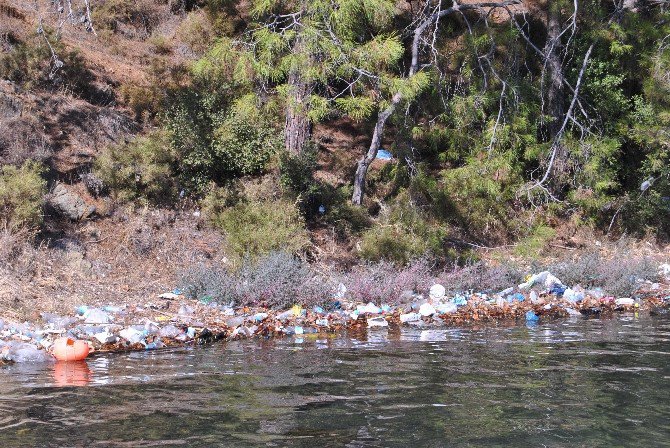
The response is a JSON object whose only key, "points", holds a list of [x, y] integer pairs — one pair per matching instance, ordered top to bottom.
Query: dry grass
{"points": [[127, 258]]}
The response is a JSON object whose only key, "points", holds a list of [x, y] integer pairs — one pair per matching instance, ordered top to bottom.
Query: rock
{"points": [[10, 106], [69, 203], [168, 296], [593, 311], [658, 311]]}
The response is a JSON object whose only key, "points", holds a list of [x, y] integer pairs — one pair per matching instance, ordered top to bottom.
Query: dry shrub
{"points": [[112, 15], [196, 32], [13, 245], [620, 276], [480, 277], [277, 280], [384, 282]]}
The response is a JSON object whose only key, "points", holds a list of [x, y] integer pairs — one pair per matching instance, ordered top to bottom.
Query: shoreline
{"points": [[176, 321]]}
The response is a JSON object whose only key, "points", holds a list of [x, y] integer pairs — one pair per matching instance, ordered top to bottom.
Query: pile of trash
{"points": [[174, 320]]}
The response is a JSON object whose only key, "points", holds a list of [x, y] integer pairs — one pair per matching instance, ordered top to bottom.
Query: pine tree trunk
{"points": [[555, 90], [297, 129]]}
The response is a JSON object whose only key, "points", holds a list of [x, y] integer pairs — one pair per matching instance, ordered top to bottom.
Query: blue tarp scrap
{"points": [[383, 154]]}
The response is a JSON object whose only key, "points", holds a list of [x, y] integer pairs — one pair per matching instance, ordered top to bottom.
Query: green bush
{"points": [[215, 140], [244, 144], [143, 168], [22, 192], [346, 218], [259, 227], [404, 233], [537, 239]]}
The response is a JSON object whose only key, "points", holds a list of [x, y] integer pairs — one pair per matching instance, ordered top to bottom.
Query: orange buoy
{"points": [[68, 349]]}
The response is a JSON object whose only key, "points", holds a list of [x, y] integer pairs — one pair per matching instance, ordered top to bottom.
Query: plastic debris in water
{"points": [[545, 278], [533, 297], [370, 308], [446, 308], [185, 310], [427, 310], [573, 312], [531, 316], [410, 317], [322, 322], [377, 322], [169, 331], [132, 335], [105, 337], [68, 349], [23, 352]]}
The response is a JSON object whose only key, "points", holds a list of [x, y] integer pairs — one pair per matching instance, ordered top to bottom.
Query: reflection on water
{"points": [[71, 373], [567, 383]]}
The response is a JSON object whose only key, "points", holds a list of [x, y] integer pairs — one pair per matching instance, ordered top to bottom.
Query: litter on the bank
{"points": [[383, 154], [544, 278], [437, 292], [459, 301], [370, 308], [446, 308], [427, 310], [96, 316], [410, 317], [132, 335]]}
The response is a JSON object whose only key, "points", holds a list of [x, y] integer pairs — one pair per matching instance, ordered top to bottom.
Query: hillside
{"points": [[142, 137]]}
